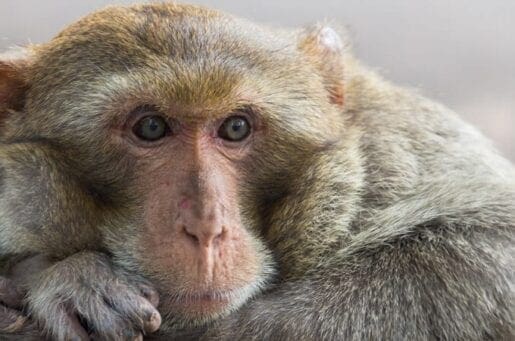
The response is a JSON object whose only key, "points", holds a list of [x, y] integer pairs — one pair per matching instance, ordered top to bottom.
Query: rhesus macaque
{"points": [[181, 173]]}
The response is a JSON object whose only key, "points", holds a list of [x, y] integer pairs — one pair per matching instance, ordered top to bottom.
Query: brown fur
{"points": [[387, 216]]}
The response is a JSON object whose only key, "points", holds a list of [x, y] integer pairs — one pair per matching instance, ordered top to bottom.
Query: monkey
{"points": [[186, 174]]}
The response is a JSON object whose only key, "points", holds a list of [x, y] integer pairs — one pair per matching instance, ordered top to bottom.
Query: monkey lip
{"points": [[204, 297], [210, 301], [202, 304]]}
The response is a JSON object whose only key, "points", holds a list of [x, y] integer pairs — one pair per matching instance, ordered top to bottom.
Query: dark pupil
{"points": [[152, 125], [237, 125], [151, 128], [235, 129]]}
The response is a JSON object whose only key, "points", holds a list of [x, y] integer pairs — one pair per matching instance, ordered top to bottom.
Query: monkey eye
{"points": [[151, 128], [234, 128]]}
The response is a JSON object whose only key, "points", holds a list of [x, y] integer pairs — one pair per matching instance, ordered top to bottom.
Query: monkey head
{"points": [[182, 127]]}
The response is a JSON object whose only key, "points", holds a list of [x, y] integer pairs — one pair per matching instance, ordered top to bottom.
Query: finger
{"points": [[9, 293], [150, 294], [137, 308], [11, 320], [104, 321], [61, 322], [152, 322]]}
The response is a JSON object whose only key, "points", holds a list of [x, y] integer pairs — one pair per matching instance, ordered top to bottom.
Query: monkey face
{"points": [[183, 131], [192, 239]]}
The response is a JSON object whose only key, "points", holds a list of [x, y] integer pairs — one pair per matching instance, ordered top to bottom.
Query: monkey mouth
{"points": [[204, 297], [214, 302]]}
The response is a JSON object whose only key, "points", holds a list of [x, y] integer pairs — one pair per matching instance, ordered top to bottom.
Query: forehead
{"points": [[179, 32], [193, 54]]}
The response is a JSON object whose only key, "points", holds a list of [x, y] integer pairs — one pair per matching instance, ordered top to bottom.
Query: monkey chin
{"points": [[193, 309]]}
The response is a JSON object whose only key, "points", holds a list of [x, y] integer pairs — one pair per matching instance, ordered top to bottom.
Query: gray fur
{"points": [[388, 216]]}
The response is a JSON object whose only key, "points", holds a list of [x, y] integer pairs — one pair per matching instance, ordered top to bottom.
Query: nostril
{"points": [[220, 235], [191, 236]]}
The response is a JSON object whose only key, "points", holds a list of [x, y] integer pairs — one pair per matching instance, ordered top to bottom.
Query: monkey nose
{"points": [[203, 233]]}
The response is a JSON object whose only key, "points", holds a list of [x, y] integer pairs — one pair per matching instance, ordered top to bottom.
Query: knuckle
{"points": [[150, 294]]}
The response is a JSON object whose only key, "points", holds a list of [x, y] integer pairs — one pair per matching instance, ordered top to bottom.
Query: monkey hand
{"points": [[84, 297], [13, 324]]}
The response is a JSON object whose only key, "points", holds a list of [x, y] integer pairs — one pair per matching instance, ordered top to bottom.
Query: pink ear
{"points": [[325, 49], [13, 84]]}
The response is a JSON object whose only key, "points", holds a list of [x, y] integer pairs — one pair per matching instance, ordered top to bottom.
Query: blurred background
{"points": [[460, 52]]}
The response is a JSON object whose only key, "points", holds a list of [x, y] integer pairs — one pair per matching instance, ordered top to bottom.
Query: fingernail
{"points": [[151, 295], [154, 317], [153, 322]]}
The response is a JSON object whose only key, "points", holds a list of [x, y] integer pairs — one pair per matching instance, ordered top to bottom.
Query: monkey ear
{"points": [[324, 47], [13, 83]]}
